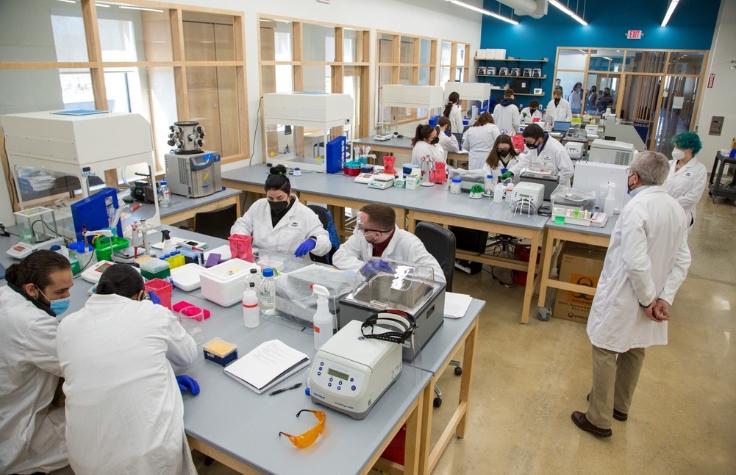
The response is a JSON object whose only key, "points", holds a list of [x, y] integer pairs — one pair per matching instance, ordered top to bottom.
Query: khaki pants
{"points": [[614, 379]]}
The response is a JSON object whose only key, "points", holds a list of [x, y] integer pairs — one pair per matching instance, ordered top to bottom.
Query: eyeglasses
{"points": [[371, 231], [309, 437]]}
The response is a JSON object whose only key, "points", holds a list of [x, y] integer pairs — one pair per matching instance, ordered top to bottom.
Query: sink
{"points": [[387, 291]]}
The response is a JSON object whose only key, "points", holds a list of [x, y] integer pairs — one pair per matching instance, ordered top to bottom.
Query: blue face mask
{"points": [[58, 306]]}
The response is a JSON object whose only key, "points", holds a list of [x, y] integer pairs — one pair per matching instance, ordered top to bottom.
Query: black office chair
{"points": [[325, 217], [216, 223], [440, 242]]}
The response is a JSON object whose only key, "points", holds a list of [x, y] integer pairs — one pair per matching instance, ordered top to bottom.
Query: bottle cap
{"points": [[457, 179], [254, 270], [267, 272]]}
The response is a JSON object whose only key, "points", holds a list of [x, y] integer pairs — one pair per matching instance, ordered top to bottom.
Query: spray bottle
{"points": [[610, 203], [324, 321]]}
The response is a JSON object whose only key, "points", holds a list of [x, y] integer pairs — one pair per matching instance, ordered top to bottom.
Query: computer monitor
{"points": [[561, 126]]}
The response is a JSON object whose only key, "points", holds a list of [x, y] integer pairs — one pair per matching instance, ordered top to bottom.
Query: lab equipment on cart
{"points": [[610, 151], [191, 171]]}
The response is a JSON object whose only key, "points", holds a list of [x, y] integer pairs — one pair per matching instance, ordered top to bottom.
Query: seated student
{"points": [[528, 114], [448, 140], [478, 140], [426, 144], [544, 152], [502, 156], [280, 223], [376, 235], [124, 410], [31, 428]]}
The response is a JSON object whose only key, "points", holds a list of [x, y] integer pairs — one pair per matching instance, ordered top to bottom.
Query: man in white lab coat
{"points": [[558, 109], [544, 153], [688, 176], [281, 223], [377, 240], [647, 261], [124, 409], [31, 427]]}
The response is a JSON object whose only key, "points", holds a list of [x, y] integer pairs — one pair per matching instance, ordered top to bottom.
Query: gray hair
{"points": [[652, 167]]}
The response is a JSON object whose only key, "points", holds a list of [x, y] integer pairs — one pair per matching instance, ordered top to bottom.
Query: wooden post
{"points": [[94, 53], [180, 71], [298, 80], [240, 83]]}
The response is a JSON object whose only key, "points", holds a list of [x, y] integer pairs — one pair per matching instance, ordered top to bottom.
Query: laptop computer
{"points": [[561, 126]]}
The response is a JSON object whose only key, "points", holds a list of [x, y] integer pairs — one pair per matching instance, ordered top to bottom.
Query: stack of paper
{"points": [[456, 304], [267, 365]]}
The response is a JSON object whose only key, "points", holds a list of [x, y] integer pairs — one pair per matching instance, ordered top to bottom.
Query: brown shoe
{"points": [[618, 415], [579, 419]]}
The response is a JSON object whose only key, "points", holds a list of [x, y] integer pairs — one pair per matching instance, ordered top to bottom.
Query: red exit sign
{"points": [[634, 34]]}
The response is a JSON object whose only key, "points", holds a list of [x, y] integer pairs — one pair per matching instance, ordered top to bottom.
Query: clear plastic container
{"points": [[488, 184], [455, 185], [165, 194], [267, 292], [251, 311]]}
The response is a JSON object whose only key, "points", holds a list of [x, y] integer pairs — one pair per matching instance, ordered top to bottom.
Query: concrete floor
{"points": [[529, 378]]}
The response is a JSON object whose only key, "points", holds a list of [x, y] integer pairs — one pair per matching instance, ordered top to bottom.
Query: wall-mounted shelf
{"points": [[513, 60], [509, 77], [518, 93]]}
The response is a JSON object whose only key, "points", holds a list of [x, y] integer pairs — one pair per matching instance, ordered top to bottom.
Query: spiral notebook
{"points": [[267, 365]]}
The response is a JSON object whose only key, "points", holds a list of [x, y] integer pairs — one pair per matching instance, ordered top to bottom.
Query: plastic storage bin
{"points": [[105, 247], [224, 283], [163, 289]]}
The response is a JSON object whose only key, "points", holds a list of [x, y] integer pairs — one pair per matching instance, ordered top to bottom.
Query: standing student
{"points": [[576, 98], [592, 100], [605, 101], [558, 109], [454, 113], [506, 114], [528, 114], [447, 139], [479, 139], [426, 145], [544, 152], [687, 175], [646, 262], [124, 409], [31, 428]]}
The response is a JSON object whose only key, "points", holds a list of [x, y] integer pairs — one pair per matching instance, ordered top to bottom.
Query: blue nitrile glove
{"points": [[305, 247], [376, 266], [154, 298], [187, 384]]}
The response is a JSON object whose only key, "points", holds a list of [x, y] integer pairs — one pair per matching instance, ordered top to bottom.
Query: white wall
{"points": [[720, 100]]}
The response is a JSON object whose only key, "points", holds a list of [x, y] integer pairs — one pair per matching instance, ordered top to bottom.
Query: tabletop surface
{"points": [[395, 142], [435, 199], [182, 203], [606, 231], [230, 417]]}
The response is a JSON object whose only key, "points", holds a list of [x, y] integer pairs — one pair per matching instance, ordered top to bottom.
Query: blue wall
{"points": [[691, 27]]}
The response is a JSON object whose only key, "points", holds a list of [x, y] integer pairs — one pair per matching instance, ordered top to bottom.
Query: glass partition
{"points": [[609, 60], [645, 61], [686, 63]]}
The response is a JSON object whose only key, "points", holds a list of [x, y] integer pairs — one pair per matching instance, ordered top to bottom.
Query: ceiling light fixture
{"points": [[67, 1], [103, 5], [143, 9], [483, 11], [567, 11], [670, 11]]}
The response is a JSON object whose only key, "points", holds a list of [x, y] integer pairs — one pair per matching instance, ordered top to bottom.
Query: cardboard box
{"points": [[579, 264]]}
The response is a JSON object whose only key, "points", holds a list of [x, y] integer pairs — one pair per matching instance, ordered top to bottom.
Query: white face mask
{"points": [[678, 154]]}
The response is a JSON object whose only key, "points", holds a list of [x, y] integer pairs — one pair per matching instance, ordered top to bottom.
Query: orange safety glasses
{"points": [[309, 437]]}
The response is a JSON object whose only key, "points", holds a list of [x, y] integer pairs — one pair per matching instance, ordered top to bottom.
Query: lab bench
{"points": [[401, 148], [183, 208]]}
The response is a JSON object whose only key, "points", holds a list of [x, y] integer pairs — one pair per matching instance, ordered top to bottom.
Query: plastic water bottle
{"points": [[488, 184], [498, 193], [165, 194], [610, 204], [267, 292], [251, 312], [324, 321]]}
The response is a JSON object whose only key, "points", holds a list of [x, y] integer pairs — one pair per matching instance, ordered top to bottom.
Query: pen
{"points": [[279, 391]]}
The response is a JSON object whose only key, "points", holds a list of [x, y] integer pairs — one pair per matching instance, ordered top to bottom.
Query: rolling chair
{"points": [[325, 217], [216, 223], [440, 243]]}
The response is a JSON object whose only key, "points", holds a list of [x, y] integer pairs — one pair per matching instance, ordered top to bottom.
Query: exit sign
{"points": [[634, 34]]}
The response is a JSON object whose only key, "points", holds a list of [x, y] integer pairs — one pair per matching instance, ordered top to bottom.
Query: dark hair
{"points": [[578, 84], [557, 88], [593, 88], [508, 93], [452, 99], [534, 104], [483, 119], [444, 121], [533, 131], [423, 132], [493, 157], [277, 180], [384, 216], [36, 269], [120, 279]]}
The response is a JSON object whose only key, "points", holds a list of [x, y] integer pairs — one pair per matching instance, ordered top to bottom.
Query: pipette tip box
{"points": [[220, 351]]}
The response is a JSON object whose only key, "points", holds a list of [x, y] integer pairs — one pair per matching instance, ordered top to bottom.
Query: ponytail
{"points": [[452, 99], [422, 133]]}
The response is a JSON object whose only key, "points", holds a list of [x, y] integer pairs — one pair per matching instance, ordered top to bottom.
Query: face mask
{"points": [[557, 101], [532, 111], [435, 140], [532, 146], [503, 153], [678, 154], [629, 189], [278, 206], [60, 306]]}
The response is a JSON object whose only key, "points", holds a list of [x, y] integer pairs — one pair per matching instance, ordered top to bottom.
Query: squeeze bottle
{"points": [[610, 203], [251, 312], [324, 321]]}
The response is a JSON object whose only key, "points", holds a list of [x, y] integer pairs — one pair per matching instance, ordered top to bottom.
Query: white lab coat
{"points": [[561, 112], [527, 116], [507, 118], [456, 120], [478, 141], [423, 149], [553, 157], [497, 171], [687, 185], [297, 225], [404, 247], [647, 258], [124, 409], [31, 432]]}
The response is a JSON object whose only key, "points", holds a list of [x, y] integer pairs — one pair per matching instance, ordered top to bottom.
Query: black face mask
{"points": [[557, 101], [532, 111], [435, 140], [532, 146], [503, 153], [278, 206]]}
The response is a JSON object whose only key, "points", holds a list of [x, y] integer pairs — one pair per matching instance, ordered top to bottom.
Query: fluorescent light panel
{"points": [[143, 9], [483, 11], [670, 11], [568, 12]]}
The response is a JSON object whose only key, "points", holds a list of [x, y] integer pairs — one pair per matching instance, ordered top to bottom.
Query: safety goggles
{"points": [[365, 230], [309, 437]]}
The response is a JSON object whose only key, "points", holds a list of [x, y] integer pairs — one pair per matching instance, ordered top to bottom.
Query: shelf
{"points": [[509, 60], [509, 77], [519, 93]]}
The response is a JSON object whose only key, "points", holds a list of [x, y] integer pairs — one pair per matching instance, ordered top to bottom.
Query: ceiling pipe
{"points": [[533, 8]]}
